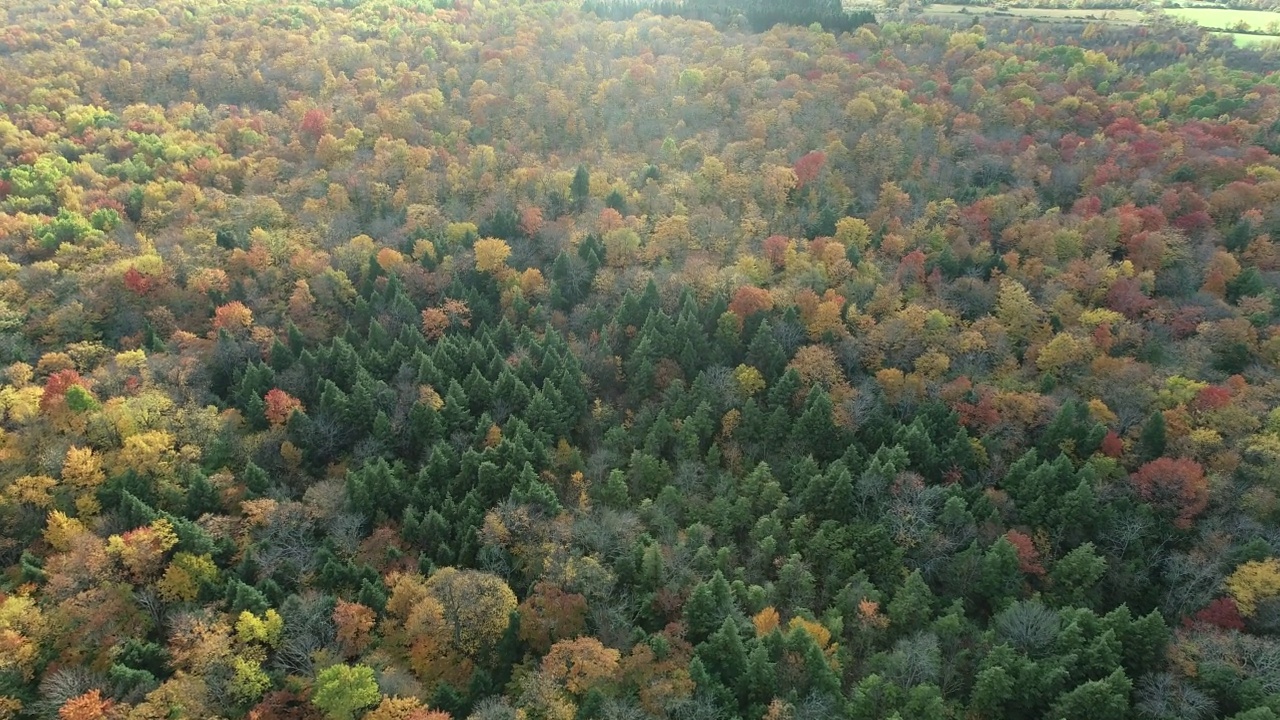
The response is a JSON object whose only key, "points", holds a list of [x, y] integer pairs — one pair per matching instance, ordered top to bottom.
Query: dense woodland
{"points": [[759, 15], [506, 360]]}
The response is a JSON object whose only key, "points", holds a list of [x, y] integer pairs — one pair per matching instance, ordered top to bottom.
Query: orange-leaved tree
{"points": [[280, 405], [1177, 486], [581, 664]]}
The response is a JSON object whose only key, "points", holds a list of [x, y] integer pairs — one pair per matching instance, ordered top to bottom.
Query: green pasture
{"points": [[1224, 18], [1249, 40]]}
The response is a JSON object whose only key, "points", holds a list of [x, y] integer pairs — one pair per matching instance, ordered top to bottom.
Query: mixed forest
{"points": [[410, 360]]}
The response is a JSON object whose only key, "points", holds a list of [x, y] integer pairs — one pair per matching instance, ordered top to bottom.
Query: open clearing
{"points": [[1126, 16], [1225, 19], [1249, 40]]}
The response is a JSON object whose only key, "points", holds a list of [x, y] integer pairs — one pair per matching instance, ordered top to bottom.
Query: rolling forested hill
{"points": [[547, 361]]}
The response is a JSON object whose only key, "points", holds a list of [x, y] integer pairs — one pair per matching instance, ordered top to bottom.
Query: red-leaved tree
{"points": [[314, 124], [808, 167], [775, 250], [136, 282], [55, 388], [1213, 397], [280, 405], [1112, 445], [1175, 486], [1028, 555], [1221, 613]]}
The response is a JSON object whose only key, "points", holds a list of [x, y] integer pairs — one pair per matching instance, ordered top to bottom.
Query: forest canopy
{"points": [[416, 360]]}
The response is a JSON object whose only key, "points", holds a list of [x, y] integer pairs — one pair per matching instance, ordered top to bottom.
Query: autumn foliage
{"points": [[314, 124], [808, 167], [491, 254], [136, 282], [748, 300], [233, 316], [436, 320], [408, 360], [56, 387], [280, 406], [1177, 486], [1028, 555], [1252, 582], [1221, 613], [549, 615], [580, 664], [89, 706]]}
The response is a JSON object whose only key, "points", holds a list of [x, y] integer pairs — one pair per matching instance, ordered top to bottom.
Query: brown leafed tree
{"points": [[549, 615], [353, 622]]}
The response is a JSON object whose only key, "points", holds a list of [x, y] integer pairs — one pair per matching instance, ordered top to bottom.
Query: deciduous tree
{"points": [[491, 255], [280, 405], [1177, 486], [1252, 582], [581, 663], [341, 690]]}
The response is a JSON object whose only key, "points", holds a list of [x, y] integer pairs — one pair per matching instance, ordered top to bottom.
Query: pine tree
{"points": [[581, 187], [765, 353], [282, 358], [640, 368], [815, 430], [1151, 444], [924, 456], [202, 497], [1000, 576], [1074, 577], [241, 597], [710, 604], [912, 605], [725, 656], [759, 680], [1106, 699]]}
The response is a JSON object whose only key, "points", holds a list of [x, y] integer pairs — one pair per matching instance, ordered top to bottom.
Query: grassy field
{"points": [[1212, 18], [1225, 19], [1247, 40]]}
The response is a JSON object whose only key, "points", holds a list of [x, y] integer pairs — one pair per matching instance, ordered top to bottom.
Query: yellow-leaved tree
{"points": [[853, 232], [491, 255], [1018, 312], [1063, 352], [750, 380], [149, 452], [82, 469], [61, 530], [184, 575], [1253, 582], [476, 607], [448, 621], [766, 621], [22, 627], [265, 630], [401, 708]]}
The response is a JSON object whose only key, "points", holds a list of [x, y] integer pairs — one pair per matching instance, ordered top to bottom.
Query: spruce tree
{"points": [[580, 189], [1151, 444]]}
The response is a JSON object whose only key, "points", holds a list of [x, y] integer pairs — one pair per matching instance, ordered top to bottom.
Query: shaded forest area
{"points": [[760, 15], [506, 360]]}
